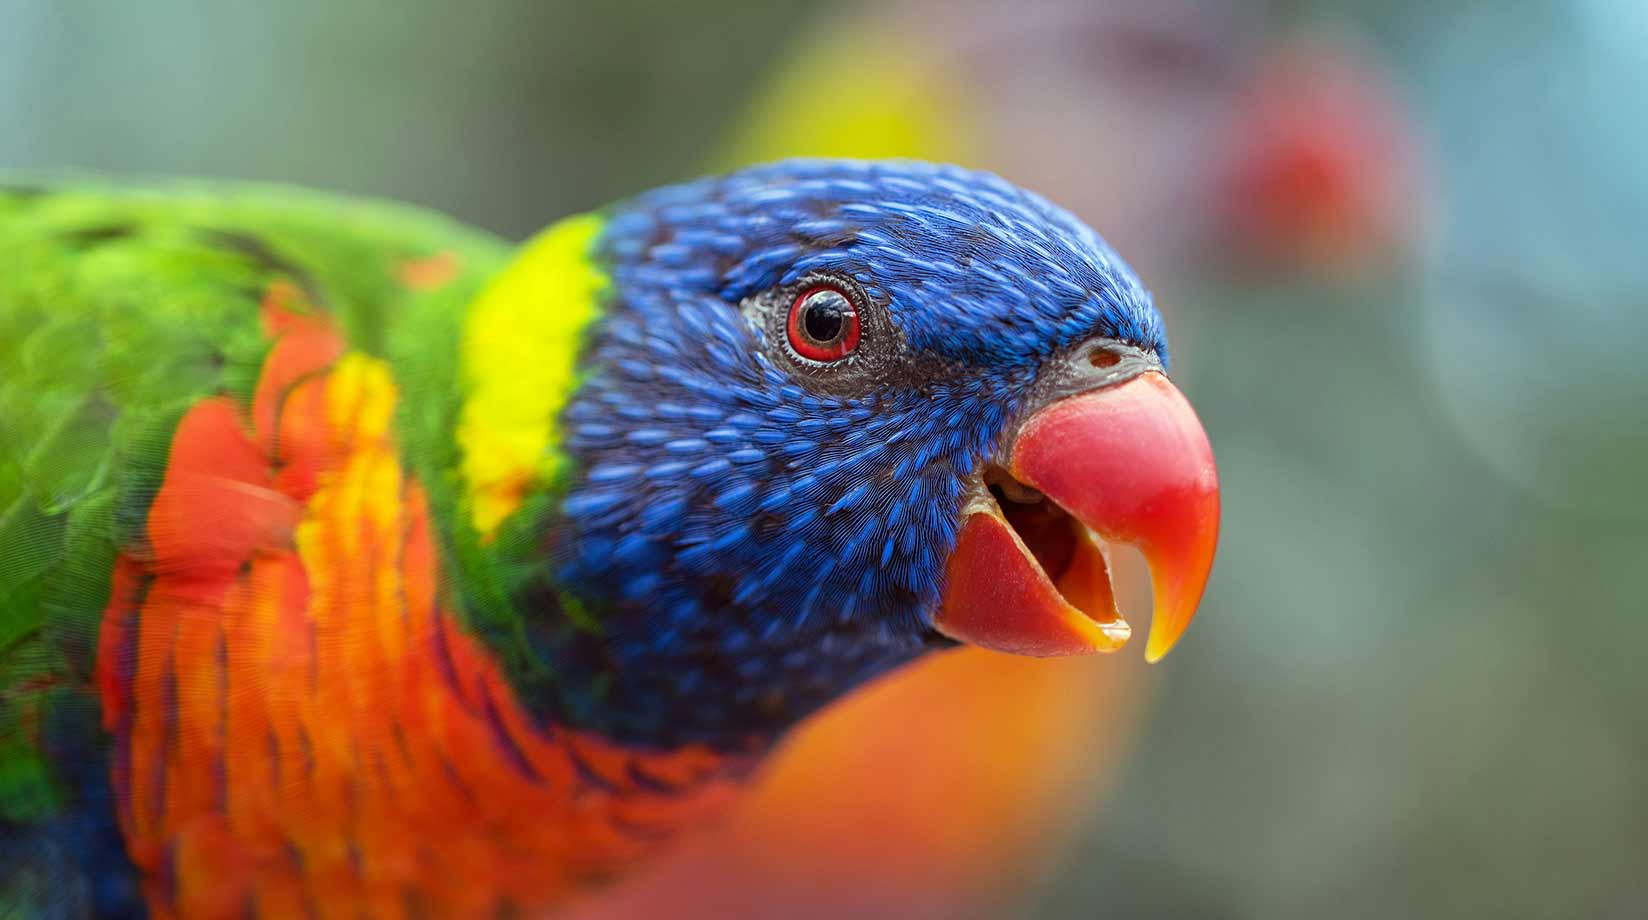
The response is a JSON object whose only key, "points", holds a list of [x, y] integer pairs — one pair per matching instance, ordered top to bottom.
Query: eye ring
{"points": [[823, 324]]}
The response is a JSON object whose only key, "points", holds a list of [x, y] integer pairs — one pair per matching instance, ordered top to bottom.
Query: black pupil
{"points": [[824, 316]]}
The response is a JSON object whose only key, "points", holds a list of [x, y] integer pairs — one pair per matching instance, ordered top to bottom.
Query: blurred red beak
{"points": [[1324, 164], [1128, 463]]}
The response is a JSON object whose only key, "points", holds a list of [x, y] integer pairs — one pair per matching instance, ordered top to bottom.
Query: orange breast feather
{"points": [[300, 725], [943, 790]]}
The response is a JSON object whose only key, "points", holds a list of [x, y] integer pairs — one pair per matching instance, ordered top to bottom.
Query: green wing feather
{"points": [[119, 307]]}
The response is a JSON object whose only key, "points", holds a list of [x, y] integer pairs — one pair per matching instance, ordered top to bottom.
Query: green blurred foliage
{"points": [[500, 112], [1417, 688]]}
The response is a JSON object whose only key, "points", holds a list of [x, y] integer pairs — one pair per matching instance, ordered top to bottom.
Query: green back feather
{"points": [[120, 307]]}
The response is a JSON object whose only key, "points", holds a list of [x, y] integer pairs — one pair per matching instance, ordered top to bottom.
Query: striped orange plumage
{"points": [[301, 724]]}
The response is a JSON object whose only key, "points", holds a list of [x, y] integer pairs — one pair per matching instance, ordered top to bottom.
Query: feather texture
{"points": [[349, 567], [299, 726]]}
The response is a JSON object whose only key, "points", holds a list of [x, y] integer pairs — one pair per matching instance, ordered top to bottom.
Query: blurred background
{"points": [[1401, 248]]}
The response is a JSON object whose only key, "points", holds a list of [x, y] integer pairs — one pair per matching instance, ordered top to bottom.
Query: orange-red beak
{"points": [[1127, 463]]}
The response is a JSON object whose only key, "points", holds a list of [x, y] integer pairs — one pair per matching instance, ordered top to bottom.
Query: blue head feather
{"points": [[755, 540]]}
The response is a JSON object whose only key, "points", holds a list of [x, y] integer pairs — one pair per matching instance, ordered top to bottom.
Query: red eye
{"points": [[823, 325]]}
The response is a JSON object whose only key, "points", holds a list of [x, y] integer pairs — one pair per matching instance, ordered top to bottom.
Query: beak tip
{"points": [[1176, 608], [1162, 640]]}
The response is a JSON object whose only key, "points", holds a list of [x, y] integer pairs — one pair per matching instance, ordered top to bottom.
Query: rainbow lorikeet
{"points": [[354, 563]]}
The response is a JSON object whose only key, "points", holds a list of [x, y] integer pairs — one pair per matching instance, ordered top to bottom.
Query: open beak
{"points": [[1127, 463]]}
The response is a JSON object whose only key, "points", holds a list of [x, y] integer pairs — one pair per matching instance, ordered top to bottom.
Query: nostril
{"points": [[1103, 358]]}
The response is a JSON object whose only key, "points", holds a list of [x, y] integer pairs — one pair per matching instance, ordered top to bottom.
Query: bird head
{"points": [[837, 413]]}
